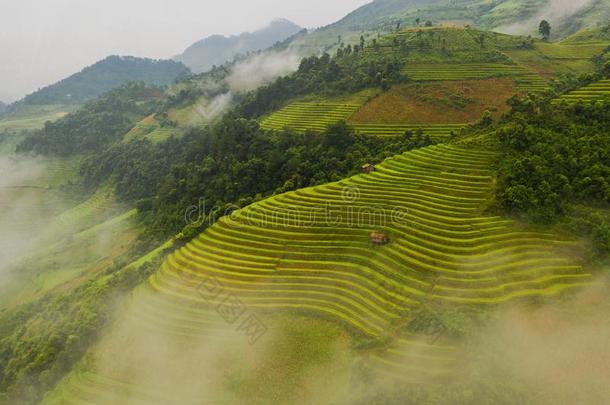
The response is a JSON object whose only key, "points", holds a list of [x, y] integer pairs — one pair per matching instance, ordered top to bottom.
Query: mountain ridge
{"points": [[105, 75]]}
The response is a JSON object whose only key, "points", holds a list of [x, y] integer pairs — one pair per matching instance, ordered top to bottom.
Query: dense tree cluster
{"points": [[97, 124], [557, 157]]}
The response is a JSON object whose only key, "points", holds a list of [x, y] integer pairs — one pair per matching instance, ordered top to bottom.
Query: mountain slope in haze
{"points": [[510, 16], [596, 35], [218, 49], [107, 74], [2, 108]]}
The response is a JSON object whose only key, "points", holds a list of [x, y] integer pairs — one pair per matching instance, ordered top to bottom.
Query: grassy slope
{"points": [[437, 102], [34, 116], [150, 127], [69, 236], [62, 240]]}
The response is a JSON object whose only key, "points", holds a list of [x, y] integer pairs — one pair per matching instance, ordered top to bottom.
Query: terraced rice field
{"points": [[524, 79], [593, 92], [34, 116], [303, 116], [309, 116], [435, 131], [88, 212], [310, 249], [309, 252], [415, 360]]}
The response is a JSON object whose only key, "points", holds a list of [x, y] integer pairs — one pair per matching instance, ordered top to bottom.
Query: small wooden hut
{"points": [[368, 168], [379, 238]]}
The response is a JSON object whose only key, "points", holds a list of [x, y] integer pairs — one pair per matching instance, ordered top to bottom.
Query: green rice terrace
{"points": [[524, 79], [593, 92], [313, 116], [316, 116], [435, 131], [314, 251]]}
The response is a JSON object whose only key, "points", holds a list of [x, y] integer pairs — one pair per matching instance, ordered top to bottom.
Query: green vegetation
{"points": [[384, 16], [544, 29], [589, 36], [563, 51], [430, 54], [596, 91], [27, 117], [437, 132], [88, 211], [413, 361]]}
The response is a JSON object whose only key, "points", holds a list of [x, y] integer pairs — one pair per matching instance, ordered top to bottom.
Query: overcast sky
{"points": [[42, 41]]}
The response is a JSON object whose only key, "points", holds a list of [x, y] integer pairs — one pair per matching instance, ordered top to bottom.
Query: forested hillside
{"points": [[105, 75], [556, 166]]}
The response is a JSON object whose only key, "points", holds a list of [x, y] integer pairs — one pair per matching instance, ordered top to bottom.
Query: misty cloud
{"points": [[555, 11], [262, 68], [246, 75], [208, 110], [20, 206], [43, 231], [525, 353], [557, 353]]}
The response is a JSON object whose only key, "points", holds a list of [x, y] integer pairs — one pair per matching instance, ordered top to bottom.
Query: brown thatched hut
{"points": [[368, 168], [379, 238]]}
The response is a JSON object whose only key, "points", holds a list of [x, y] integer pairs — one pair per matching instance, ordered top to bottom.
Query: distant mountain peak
{"points": [[283, 21], [218, 49]]}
